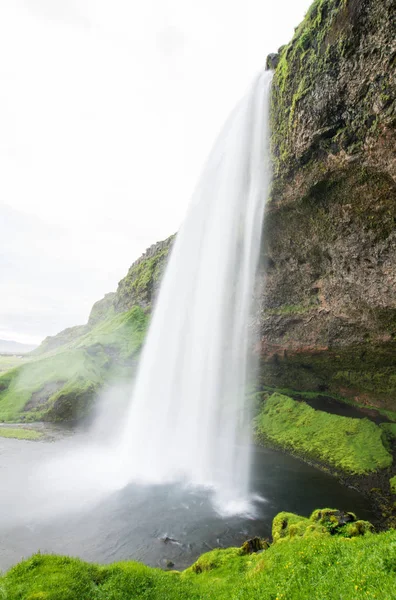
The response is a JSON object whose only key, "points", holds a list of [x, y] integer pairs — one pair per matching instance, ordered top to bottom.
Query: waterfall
{"points": [[188, 418]]}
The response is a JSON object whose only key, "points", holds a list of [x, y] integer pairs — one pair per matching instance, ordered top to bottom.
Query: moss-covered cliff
{"points": [[328, 315]]}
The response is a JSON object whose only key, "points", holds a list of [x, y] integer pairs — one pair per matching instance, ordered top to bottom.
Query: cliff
{"points": [[328, 315]]}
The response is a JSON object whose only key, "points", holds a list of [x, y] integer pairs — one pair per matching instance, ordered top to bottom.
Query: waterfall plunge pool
{"points": [[157, 525]]}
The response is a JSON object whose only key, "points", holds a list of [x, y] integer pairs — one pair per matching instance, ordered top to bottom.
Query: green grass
{"points": [[9, 362], [68, 377], [20, 434], [352, 445], [313, 566]]}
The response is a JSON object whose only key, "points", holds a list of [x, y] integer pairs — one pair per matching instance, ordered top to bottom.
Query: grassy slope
{"points": [[9, 362], [67, 378], [20, 434], [353, 445], [306, 562]]}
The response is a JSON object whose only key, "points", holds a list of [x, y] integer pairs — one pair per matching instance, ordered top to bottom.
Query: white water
{"points": [[188, 418]]}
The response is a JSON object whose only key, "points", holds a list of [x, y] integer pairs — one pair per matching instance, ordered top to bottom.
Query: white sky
{"points": [[108, 109]]}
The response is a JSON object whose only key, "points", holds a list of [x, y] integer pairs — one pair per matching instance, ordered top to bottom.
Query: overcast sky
{"points": [[108, 109]]}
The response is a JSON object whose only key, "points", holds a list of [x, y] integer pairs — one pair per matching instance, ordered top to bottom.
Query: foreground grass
{"points": [[20, 434], [353, 445], [307, 564]]}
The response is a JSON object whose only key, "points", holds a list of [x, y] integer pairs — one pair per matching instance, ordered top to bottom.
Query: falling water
{"points": [[188, 417]]}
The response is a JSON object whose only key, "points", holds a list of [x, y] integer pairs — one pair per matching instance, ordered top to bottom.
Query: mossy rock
{"points": [[325, 521]]}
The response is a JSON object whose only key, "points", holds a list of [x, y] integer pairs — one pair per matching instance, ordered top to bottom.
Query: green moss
{"points": [[321, 46], [308, 53], [140, 283], [20, 434], [389, 435], [352, 445], [392, 483], [325, 521], [288, 525], [216, 559], [312, 565]]}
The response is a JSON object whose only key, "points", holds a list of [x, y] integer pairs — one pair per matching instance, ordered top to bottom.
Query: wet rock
{"points": [[272, 61], [327, 318], [168, 540], [254, 545]]}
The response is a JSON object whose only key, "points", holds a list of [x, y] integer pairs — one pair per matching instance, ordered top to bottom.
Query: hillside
{"points": [[61, 378]]}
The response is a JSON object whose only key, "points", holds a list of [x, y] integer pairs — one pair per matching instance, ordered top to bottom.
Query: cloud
{"points": [[170, 41]]}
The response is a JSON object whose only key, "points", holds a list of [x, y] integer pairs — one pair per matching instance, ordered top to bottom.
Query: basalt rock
{"points": [[272, 61], [327, 320]]}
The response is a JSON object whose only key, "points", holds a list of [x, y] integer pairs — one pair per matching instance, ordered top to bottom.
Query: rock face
{"points": [[142, 282], [328, 315]]}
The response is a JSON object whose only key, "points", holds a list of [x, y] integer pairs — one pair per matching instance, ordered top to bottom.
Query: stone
{"points": [[272, 61]]}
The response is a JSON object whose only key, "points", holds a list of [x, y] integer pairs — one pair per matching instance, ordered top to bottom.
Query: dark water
{"points": [[336, 407], [158, 524]]}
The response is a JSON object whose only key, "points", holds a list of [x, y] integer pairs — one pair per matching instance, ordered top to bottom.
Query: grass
{"points": [[8, 362], [66, 379], [20, 434], [352, 445], [315, 566]]}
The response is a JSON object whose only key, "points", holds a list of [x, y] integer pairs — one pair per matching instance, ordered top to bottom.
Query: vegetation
{"points": [[326, 37], [141, 281], [8, 362], [59, 380], [61, 384], [20, 434], [389, 434], [353, 445], [392, 483], [325, 521], [320, 557]]}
